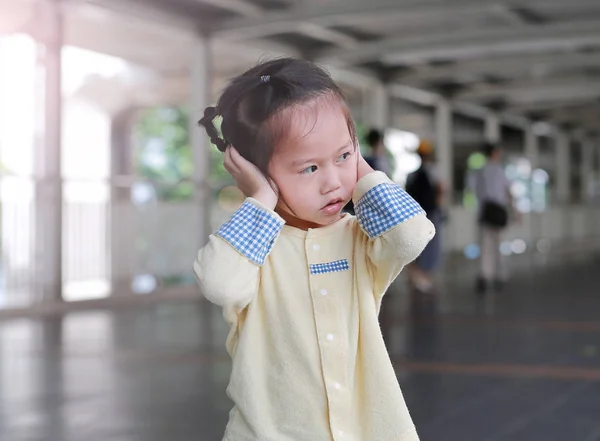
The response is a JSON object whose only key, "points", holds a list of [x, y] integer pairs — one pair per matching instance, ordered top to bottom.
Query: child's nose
{"points": [[331, 183]]}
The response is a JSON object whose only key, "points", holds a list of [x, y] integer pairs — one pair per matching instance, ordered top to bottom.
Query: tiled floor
{"points": [[523, 365]]}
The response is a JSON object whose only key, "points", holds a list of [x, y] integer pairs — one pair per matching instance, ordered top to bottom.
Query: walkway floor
{"points": [[523, 365]]}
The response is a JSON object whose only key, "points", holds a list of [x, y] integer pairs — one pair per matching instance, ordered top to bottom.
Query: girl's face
{"points": [[315, 167]]}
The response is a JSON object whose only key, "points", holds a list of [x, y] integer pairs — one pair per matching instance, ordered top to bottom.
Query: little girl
{"points": [[301, 282]]}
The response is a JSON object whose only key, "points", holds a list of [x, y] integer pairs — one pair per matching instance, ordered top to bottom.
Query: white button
{"points": [[316, 247], [323, 292], [330, 337], [338, 386], [340, 432]]}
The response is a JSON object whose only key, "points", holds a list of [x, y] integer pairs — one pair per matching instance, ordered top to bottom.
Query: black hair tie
{"points": [[207, 121]]}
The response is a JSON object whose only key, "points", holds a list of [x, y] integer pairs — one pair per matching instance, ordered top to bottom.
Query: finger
{"points": [[235, 156], [229, 161], [242, 163], [239, 164]]}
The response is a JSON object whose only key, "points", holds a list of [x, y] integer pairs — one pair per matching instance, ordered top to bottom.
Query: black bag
{"points": [[420, 188], [494, 215]]}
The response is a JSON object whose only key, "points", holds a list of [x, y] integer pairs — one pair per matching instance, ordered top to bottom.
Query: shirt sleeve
{"points": [[396, 227], [227, 268]]}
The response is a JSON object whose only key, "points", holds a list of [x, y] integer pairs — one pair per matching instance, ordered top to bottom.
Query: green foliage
{"points": [[163, 154]]}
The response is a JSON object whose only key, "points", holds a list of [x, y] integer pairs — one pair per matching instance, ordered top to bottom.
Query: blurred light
{"points": [[401, 140], [403, 146], [154, 155], [476, 161], [524, 167], [511, 172], [540, 176], [15, 189], [519, 189], [142, 193], [230, 198], [469, 200], [523, 205], [544, 245], [519, 246], [506, 248], [472, 251], [144, 284], [86, 290]]}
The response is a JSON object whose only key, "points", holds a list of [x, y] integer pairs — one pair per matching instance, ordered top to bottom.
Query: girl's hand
{"points": [[363, 167], [250, 179]]}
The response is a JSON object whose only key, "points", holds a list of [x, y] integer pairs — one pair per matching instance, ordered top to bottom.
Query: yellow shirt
{"points": [[309, 361]]}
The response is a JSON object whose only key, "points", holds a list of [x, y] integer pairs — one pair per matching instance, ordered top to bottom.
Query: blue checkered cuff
{"points": [[383, 207], [252, 231]]}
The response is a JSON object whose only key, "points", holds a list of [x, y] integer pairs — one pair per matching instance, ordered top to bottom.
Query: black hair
{"points": [[252, 106], [373, 137], [489, 148]]}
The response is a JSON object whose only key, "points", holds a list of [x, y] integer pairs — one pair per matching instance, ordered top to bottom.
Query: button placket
{"points": [[331, 347]]}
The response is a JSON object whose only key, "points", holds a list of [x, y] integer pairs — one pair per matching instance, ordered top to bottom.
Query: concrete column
{"points": [[200, 98], [378, 107], [492, 128], [444, 146], [532, 148], [596, 162], [47, 167], [586, 167], [563, 168], [121, 209]]}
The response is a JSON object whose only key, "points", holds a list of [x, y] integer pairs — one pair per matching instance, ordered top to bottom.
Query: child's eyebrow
{"points": [[300, 162]]}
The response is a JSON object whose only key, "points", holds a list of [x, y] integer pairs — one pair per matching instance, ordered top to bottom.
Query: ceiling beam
{"points": [[237, 6], [354, 12], [171, 14], [330, 14], [313, 30], [470, 44], [517, 66], [532, 92], [548, 106]]}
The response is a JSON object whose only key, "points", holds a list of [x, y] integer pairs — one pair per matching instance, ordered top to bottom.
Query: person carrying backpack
{"points": [[425, 187]]}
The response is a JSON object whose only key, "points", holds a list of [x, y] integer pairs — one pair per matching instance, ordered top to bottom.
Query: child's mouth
{"points": [[333, 207]]}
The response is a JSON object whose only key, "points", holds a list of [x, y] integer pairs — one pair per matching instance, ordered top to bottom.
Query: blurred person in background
{"points": [[377, 158], [425, 186], [494, 199]]}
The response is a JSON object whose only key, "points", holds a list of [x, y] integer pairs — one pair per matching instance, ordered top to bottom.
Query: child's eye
{"points": [[345, 156], [309, 170]]}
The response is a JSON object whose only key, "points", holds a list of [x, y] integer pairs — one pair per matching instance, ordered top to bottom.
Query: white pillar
{"points": [[200, 98], [378, 107], [492, 128], [444, 145], [532, 147], [586, 167], [563, 168], [48, 188], [122, 210]]}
